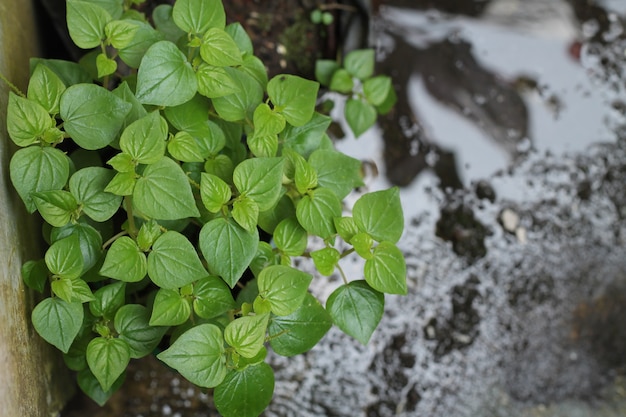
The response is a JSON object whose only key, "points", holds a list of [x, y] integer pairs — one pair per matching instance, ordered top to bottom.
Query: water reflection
{"points": [[476, 94]]}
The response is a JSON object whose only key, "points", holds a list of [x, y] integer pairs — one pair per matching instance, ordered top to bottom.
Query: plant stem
{"points": [[12, 86], [131, 220], [113, 239], [346, 253], [343, 275]]}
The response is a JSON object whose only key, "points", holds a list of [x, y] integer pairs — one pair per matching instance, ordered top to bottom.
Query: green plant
{"points": [[368, 95], [205, 151]]}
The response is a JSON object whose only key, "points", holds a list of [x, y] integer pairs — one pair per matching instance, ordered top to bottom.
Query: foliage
{"points": [[368, 95], [159, 186]]}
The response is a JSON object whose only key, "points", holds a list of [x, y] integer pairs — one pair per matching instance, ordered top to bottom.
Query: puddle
{"points": [[508, 143]]}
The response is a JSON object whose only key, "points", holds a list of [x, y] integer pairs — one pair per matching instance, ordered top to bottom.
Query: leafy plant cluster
{"points": [[190, 184]]}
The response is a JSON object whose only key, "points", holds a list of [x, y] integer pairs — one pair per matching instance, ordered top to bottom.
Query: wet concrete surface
{"points": [[508, 140]]}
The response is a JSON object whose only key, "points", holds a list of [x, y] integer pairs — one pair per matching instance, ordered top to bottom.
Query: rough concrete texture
{"points": [[529, 329], [33, 380]]}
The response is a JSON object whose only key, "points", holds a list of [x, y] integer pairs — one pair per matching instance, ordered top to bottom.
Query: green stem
{"points": [[12, 86], [131, 219], [113, 239], [346, 253], [343, 275]]}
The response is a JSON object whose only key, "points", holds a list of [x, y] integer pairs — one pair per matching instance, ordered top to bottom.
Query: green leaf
{"points": [[114, 7], [197, 16], [86, 22], [164, 22], [120, 33], [144, 38], [241, 38], [219, 49], [360, 63], [105, 65], [255, 68], [324, 70], [69, 72], [165, 78], [342, 81], [215, 82], [45, 88], [377, 89], [294, 97], [387, 104], [240, 105], [137, 110], [93, 115], [360, 116], [191, 117], [27, 120], [266, 121], [307, 138], [144, 139], [263, 146], [184, 147], [122, 162], [221, 166], [35, 169], [336, 171], [305, 176], [260, 179], [123, 183], [87, 186], [164, 192], [214, 192], [55, 206], [282, 210], [317, 210], [246, 213], [380, 215], [346, 227], [148, 234], [290, 237], [89, 241], [363, 243], [227, 248], [264, 257], [64, 258], [325, 260], [125, 261], [173, 262], [386, 271], [35, 274], [284, 287], [72, 290], [212, 297], [108, 299], [170, 308], [356, 309], [58, 321], [132, 325], [301, 330], [247, 334], [198, 354], [107, 359], [90, 386], [246, 392]]}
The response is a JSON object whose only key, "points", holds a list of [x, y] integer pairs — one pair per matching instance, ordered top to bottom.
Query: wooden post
{"points": [[33, 379]]}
